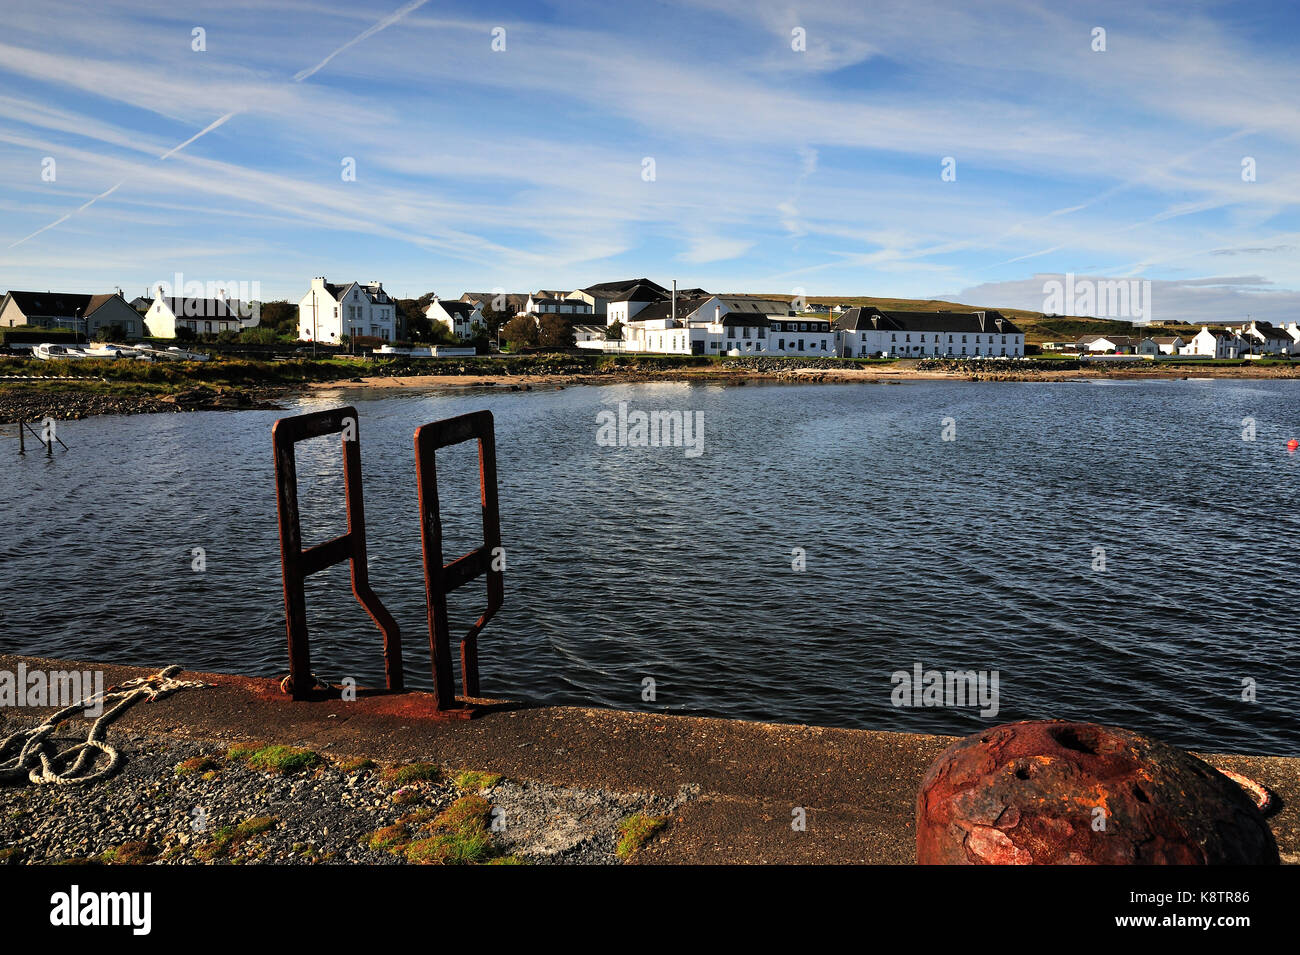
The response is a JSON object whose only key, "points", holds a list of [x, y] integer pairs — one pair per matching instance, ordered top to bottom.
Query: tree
{"points": [[281, 316], [418, 326], [520, 331], [556, 332], [614, 333]]}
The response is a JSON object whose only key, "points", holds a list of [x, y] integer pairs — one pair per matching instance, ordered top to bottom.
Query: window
{"points": [[776, 326], [762, 333], [893, 338], [908, 338], [963, 341], [780, 344], [801, 344], [823, 344]]}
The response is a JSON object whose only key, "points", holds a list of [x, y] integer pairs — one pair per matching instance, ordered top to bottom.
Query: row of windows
{"points": [[802, 326], [908, 337]]}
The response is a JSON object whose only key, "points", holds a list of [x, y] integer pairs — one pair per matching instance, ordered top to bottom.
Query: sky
{"points": [[967, 151]]}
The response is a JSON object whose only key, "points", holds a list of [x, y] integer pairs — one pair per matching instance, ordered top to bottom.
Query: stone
{"points": [[1051, 792]]}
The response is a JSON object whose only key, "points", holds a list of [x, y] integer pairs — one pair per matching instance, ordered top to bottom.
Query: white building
{"points": [[599, 296], [552, 302], [624, 305], [328, 312], [202, 316], [459, 318], [721, 325], [868, 332], [1262, 338], [1109, 344], [1208, 344], [1160, 346]]}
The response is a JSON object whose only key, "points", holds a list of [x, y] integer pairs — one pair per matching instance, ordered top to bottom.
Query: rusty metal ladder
{"points": [[297, 564]]}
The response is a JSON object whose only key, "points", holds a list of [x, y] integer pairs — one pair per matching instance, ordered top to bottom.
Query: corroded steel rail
{"points": [[487, 560], [299, 564]]}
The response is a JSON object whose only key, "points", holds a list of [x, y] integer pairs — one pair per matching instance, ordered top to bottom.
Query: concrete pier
{"points": [[858, 787]]}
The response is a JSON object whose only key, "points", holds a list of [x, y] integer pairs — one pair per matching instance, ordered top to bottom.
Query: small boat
{"points": [[50, 351], [109, 351], [175, 351]]}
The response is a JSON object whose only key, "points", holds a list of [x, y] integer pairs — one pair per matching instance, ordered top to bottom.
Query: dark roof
{"points": [[614, 290], [641, 292], [484, 299], [61, 304], [183, 307], [463, 309], [664, 309], [747, 319], [873, 319], [1268, 331]]}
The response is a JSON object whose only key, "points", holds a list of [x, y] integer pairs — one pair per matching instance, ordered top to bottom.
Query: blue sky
{"points": [[775, 169]]}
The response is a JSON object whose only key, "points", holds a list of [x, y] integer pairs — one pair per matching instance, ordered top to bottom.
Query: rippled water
{"points": [[628, 563]]}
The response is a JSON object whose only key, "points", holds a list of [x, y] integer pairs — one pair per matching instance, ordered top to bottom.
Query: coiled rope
{"points": [[35, 758]]}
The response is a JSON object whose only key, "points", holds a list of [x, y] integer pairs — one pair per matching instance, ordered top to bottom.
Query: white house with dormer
{"points": [[328, 312], [459, 318], [1263, 338], [1218, 344]]}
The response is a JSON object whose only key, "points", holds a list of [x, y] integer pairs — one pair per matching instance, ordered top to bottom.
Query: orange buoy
{"points": [[1292, 444]]}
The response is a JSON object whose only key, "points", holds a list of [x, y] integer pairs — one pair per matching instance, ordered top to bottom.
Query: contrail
{"points": [[385, 22], [298, 77], [68, 215]]}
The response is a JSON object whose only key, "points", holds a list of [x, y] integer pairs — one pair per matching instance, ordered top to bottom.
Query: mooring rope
{"points": [[36, 759], [1260, 795]]}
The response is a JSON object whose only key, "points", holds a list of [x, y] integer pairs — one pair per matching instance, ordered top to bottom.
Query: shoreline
{"points": [[62, 398]]}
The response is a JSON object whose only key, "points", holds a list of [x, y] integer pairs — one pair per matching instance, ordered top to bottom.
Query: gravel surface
{"points": [[229, 812]]}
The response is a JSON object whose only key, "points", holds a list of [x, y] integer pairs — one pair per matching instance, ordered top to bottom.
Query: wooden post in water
{"points": [[22, 442]]}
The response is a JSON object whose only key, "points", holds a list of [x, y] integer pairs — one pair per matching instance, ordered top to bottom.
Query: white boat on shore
{"points": [[49, 351]]}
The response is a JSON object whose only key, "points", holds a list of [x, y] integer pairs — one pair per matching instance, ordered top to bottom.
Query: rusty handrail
{"points": [[298, 564], [440, 579]]}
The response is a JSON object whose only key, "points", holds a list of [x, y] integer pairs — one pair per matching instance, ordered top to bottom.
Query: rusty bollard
{"points": [[1050, 792]]}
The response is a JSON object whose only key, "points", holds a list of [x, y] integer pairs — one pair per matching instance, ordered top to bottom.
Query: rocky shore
{"points": [[38, 398], [20, 403]]}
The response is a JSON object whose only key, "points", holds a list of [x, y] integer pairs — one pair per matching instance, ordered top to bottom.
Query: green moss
{"points": [[242, 751], [284, 760], [197, 764], [359, 764], [413, 772], [475, 781], [407, 796], [466, 814], [421, 816], [635, 831], [228, 838], [390, 838], [451, 848], [128, 853]]}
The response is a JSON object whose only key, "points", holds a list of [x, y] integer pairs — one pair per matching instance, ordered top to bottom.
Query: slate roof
{"points": [[870, 318]]}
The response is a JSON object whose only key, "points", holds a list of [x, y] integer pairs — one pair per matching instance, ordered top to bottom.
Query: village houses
{"points": [[328, 312]]}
